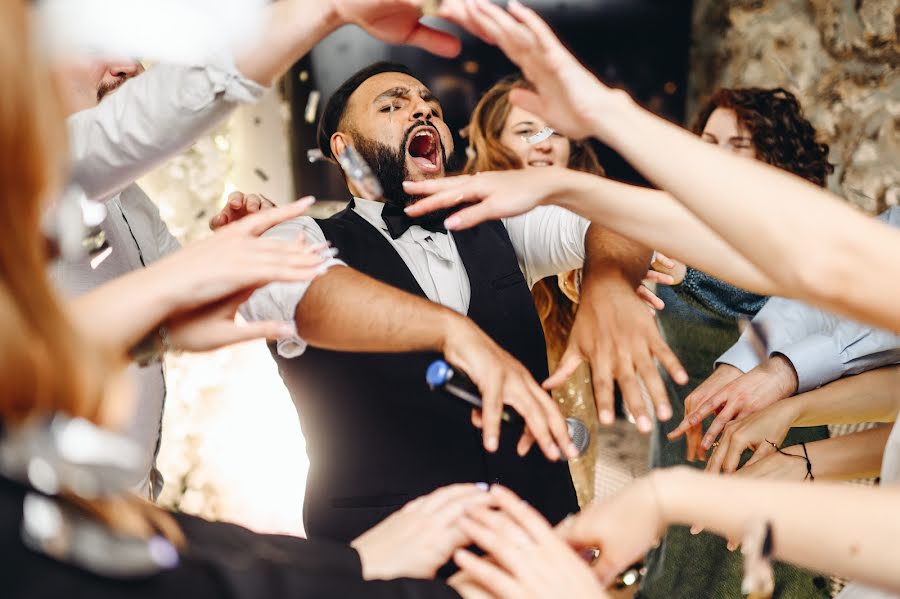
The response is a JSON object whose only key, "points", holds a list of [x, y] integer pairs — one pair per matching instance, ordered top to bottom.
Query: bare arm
{"points": [[649, 217], [771, 217], [346, 310], [867, 397], [840, 529]]}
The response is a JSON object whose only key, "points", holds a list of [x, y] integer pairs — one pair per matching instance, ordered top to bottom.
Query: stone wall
{"points": [[840, 57]]}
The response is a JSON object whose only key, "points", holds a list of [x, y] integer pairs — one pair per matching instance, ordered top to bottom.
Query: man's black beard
{"points": [[389, 167]]}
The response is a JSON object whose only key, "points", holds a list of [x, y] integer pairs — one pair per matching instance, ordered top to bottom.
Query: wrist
{"points": [[611, 108], [452, 325], [783, 369], [669, 485]]}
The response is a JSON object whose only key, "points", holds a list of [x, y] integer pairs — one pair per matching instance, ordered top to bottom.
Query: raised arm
{"points": [[161, 112], [769, 216], [652, 218], [846, 530]]}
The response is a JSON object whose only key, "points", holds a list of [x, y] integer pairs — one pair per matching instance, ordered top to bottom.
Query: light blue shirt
{"points": [[822, 347]]}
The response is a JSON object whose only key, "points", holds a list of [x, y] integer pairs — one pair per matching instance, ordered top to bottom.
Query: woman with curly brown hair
{"points": [[700, 322]]}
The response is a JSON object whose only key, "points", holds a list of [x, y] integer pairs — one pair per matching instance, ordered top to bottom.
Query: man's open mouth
{"points": [[425, 149]]}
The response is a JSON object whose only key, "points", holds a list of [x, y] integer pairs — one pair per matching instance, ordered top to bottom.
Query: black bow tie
{"points": [[398, 221]]}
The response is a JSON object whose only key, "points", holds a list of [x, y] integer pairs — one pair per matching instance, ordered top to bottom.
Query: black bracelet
{"points": [[809, 473]]}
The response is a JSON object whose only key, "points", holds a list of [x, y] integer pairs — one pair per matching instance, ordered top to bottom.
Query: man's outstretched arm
{"points": [[346, 310]]}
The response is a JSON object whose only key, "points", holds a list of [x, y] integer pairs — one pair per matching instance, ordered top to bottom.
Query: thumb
{"points": [[567, 366]]}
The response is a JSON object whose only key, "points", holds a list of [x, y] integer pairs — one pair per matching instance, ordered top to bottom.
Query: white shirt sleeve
{"points": [[151, 118], [548, 240], [278, 301]]}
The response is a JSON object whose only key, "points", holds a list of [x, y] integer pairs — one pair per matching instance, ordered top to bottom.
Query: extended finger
{"points": [[435, 41], [447, 198], [253, 203], [473, 215], [259, 223], [663, 260], [660, 277], [650, 298], [668, 359], [567, 366], [654, 385], [632, 395], [491, 411], [725, 416], [538, 421], [692, 440], [526, 441], [764, 450], [523, 514], [505, 549], [487, 575]]}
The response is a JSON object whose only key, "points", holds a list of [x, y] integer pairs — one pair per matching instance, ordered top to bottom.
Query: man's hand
{"points": [[238, 206], [614, 333], [721, 376], [502, 380], [764, 385], [421, 537]]}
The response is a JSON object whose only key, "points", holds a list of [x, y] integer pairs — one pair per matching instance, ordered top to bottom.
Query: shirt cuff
{"points": [[279, 301], [741, 355], [816, 359]]}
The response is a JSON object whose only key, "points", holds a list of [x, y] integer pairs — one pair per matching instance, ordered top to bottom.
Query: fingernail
{"points": [[308, 200], [406, 210], [452, 222], [329, 253], [287, 329], [682, 377], [664, 412], [607, 417], [644, 425], [490, 443], [706, 444], [572, 450], [554, 453], [483, 487], [696, 530], [731, 546]]}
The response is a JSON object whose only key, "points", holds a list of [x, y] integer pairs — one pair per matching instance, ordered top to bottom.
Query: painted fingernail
{"points": [[452, 222], [287, 329], [664, 412], [607, 417], [644, 425], [490, 443], [554, 454], [483, 487], [696, 530]]}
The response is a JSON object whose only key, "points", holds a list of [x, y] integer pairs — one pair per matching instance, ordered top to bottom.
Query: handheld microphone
{"points": [[441, 376]]}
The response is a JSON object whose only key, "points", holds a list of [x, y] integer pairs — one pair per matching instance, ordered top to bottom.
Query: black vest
{"points": [[376, 436]]}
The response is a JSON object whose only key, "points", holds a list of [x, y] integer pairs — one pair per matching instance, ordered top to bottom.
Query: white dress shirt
{"points": [[150, 118], [547, 241], [821, 346]]}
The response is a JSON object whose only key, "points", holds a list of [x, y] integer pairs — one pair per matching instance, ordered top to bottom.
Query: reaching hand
{"points": [[398, 22], [566, 94], [493, 195], [239, 206], [235, 259], [213, 326], [618, 338], [721, 376], [503, 380], [769, 382], [756, 432], [778, 466], [623, 528], [420, 538], [527, 560]]}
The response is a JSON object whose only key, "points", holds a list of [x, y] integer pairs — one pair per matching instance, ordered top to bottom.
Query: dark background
{"points": [[639, 45]]}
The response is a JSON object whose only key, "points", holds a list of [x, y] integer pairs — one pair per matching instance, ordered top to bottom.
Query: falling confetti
{"points": [[540, 136]]}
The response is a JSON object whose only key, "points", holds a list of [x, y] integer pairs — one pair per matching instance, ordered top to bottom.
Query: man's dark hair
{"points": [[337, 104]]}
